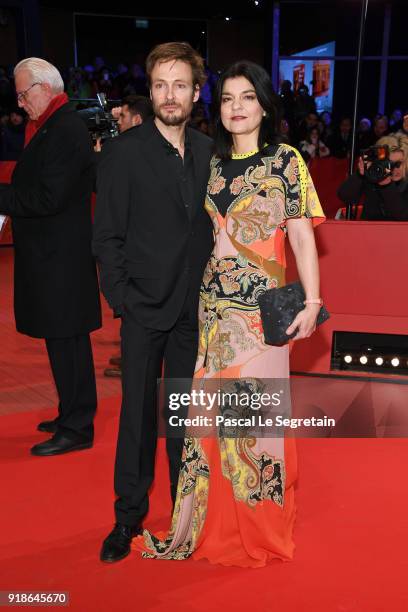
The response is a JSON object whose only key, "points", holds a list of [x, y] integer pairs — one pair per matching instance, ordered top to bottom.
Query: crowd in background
{"points": [[314, 134]]}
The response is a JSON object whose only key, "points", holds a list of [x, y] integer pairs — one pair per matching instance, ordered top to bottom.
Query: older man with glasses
{"points": [[56, 294]]}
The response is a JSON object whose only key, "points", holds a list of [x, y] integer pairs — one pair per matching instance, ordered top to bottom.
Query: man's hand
{"points": [[115, 112], [98, 146], [364, 165], [388, 179], [305, 322]]}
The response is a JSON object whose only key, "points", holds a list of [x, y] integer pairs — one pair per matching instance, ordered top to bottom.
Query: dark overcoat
{"points": [[56, 291]]}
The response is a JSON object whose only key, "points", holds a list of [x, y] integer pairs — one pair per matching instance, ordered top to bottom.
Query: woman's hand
{"points": [[360, 166], [305, 322]]}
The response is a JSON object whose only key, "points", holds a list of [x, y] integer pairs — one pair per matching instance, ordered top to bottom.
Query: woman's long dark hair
{"points": [[267, 98]]}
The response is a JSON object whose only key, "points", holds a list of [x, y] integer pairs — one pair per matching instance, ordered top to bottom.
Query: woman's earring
{"points": [[264, 114]]}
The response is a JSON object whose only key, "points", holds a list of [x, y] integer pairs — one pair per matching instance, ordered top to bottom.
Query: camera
{"points": [[99, 120], [381, 165]]}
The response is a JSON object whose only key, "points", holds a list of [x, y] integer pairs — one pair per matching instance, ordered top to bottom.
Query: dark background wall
{"points": [[247, 35], [58, 36], [8, 37]]}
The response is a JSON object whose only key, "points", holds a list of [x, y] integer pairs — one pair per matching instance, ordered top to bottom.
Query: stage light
{"points": [[256, 2], [228, 19], [385, 354]]}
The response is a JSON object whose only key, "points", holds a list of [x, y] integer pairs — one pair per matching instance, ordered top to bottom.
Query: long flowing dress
{"points": [[235, 501]]}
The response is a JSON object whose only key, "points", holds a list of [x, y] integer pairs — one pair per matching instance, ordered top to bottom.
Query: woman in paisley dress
{"points": [[235, 502]]}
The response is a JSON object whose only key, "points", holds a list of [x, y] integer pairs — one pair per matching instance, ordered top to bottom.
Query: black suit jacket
{"points": [[150, 248], [56, 291]]}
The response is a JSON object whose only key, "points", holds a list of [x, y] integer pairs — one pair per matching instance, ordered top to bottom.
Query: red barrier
{"points": [[6, 171], [328, 173], [362, 267]]}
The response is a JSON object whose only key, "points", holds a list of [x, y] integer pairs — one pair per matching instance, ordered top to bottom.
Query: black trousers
{"points": [[143, 353], [73, 369]]}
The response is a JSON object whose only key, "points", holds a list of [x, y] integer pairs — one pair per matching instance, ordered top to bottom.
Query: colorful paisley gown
{"points": [[235, 502]]}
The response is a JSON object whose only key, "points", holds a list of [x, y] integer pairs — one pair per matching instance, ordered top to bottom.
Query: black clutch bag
{"points": [[279, 308]]}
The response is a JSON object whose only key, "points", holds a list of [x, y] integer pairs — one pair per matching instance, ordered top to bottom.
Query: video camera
{"points": [[99, 120], [380, 164]]}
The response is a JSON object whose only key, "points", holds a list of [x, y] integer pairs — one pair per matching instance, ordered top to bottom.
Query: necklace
{"points": [[244, 155]]}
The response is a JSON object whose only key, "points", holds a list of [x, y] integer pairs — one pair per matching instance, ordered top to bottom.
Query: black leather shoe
{"points": [[116, 361], [112, 372], [48, 426], [58, 445], [117, 545]]}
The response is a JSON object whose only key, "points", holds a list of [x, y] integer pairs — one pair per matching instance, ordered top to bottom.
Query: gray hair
{"points": [[42, 72]]}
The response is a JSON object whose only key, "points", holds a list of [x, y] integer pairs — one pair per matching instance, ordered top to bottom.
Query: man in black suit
{"points": [[152, 240], [56, 294]]}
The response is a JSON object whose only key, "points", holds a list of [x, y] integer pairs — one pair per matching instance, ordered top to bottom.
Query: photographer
{"points": [[134, 110], [385, 200]]}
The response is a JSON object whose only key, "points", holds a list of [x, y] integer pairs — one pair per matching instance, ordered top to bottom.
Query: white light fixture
{"points": [[348, 358], [363, 360], [379, 361], [395, 362]]}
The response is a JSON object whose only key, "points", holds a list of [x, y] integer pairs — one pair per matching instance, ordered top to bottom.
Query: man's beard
{"points": [[174, 118]]}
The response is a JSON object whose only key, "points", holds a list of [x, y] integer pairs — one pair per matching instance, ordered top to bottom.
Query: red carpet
{"points": [[351, 532]]}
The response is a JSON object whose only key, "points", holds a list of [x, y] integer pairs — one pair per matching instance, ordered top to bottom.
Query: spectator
{"points": [[122, 77], [137, 82], [104, 84], [78, 86], [206, 92], [7, 96], [287, 98], [304, 103], [4, 118], [326, 118], [309, 122], [395, 122], [203, 126], [380, 128], [285, 132], [364, 134], [402, 134], [12, 136], [340, 142], [313, 147]]}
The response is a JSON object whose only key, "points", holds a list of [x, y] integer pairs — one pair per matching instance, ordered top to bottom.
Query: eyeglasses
{"points": [[23, 94]]}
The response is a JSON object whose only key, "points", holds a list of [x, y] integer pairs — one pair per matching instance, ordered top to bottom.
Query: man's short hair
{"points": [[182, 52], [42, 72], [138, 105]]}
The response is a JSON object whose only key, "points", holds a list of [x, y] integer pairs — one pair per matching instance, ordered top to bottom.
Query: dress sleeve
{"points": [[301, 199]]}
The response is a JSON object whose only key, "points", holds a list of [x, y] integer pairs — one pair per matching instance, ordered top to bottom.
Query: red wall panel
{"points": [[363, 267]]}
